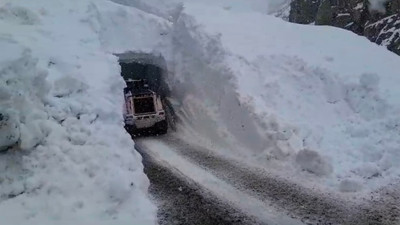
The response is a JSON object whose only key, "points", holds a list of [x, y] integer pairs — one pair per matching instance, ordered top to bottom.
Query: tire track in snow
{"points": [[221, 191], [181, 201], [308, 205]]}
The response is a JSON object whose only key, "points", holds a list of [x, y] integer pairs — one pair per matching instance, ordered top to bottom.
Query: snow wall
{"points": [[311, 103], [69, 159]]}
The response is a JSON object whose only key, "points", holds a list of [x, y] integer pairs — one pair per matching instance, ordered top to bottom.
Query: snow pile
{"points": [[294, 97], [68, 158]]}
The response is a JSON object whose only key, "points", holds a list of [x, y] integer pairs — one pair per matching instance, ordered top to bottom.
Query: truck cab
{"points": [[144, 110]]}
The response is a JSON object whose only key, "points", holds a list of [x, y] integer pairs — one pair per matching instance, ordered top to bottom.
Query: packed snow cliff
{"points": [[317, 104], [68, 159]]}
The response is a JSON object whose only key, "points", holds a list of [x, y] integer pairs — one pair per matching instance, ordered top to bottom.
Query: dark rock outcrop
{"points": [[303, 11], [379, 26], [385, 32]]}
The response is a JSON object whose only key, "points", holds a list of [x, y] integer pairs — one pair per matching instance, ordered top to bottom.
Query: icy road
{"points": [[193, 185]]}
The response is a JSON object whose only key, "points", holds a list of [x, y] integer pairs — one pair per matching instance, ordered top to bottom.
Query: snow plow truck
{"points": [[144, 110]]}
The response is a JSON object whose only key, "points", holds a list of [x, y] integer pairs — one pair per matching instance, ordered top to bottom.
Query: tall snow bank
{"points": [[205, 89], [272, 90], [69, 159]]}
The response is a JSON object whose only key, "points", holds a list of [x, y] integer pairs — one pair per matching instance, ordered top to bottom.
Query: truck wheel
{"points": [[162, 127], [128, 128], [132, 130]]}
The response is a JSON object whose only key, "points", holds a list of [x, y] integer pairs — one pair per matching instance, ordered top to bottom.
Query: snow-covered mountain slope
{"points": [[377, 20], [70, 160]]}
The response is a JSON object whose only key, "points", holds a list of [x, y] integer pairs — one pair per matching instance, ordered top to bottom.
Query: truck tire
{"points": [[162, 127], [132, 130]]}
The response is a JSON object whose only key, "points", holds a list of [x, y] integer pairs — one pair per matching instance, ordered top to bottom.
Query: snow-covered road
{"points": [[193, 183], [182, 201]]}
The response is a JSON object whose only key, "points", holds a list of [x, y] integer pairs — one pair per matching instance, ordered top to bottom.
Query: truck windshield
{"points": [[144, 105]]}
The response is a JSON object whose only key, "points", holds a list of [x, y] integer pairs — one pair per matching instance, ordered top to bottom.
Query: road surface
{"points": [[193, 185]]}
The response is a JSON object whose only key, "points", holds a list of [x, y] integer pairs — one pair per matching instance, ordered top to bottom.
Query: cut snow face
{"points": [[271, 90], [206, 93], [69, 159]]}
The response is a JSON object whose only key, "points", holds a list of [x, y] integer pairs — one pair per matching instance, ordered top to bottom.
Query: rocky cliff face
{"points": [[379, 26]]}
